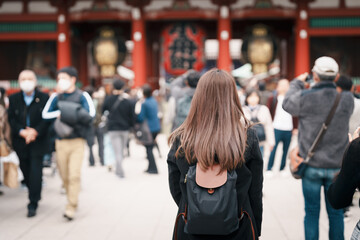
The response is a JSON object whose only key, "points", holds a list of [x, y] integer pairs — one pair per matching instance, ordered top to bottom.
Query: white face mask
{"points": [[64, 84], [27, 86]]}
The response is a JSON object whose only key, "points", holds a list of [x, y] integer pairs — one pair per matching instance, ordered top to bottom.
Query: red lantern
{"points": [[183, 48]]}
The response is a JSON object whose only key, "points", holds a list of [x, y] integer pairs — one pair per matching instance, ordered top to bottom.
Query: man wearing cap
{"points": [[312, 107], [73, 108], [29, 134]]}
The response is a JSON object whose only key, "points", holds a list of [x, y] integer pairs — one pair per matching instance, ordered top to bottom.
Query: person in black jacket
{"points": [[74, 108], [121, 117], [216, 133], [29, 134], [340, 193]]}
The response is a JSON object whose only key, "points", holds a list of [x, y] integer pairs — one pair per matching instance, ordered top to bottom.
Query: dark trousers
{"points": [[99, 132], [280, 136], [150, 155], [31, 167]]}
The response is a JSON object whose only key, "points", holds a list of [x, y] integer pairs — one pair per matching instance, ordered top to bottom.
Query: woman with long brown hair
{"points": [[216, 135]]}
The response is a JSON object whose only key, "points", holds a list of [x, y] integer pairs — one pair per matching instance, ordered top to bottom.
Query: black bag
{"points": [[103, 125], [259, 128], [142, 133], [212, 207]]}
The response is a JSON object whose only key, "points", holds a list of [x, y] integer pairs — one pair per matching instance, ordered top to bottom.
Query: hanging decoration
{"points": [[183, 48], [259, 48], [108, 52]]}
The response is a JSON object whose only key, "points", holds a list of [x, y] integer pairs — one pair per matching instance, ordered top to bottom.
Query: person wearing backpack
{"points": [[183, 104], [260, 116], [215, 166]]}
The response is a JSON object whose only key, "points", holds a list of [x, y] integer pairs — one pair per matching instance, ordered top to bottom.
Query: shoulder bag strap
{"points": [[116, 104], [323, 129]]}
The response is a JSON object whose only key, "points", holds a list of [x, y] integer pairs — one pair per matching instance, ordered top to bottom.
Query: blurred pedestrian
{"points": [[344, 83], [179, 88], [98, 99], [4, 100], [183, 104], [312, 106], [73, 110], [149, 113], [260, 116], [120, 118], [283, 123], [5, 133], [29, 134], [216, 134], [90, 137]]}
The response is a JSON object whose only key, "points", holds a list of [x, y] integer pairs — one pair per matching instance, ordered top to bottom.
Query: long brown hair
{"points": [[215, 129]]}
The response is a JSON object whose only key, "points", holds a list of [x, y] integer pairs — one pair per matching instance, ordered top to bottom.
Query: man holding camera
{"points": [[312, 107]]}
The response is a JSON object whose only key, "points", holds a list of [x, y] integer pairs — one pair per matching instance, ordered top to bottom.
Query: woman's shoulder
{"points": [[264, 108], [354, 149]]}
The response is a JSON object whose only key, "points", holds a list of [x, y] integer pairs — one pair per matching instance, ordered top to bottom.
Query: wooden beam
{"points": [[334, 12], [252, 13], [179, 14], [93, 16], [28, 17], [323, 32], [33, 36]]}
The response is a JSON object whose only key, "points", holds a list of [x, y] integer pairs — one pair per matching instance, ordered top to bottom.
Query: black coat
{"points": [[17, 119], [248, 186], [341, 192]]}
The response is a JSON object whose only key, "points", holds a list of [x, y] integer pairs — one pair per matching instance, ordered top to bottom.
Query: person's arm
{"points": [[292, 98], [87, 103], [51, 110], [142, 115], [15, 123], [42, 126], [269, 129], [255, 165], [174, 175], [340, 193]]}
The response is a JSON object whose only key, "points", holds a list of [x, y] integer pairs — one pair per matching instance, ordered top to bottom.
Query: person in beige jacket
{"points": [[259, 114]]}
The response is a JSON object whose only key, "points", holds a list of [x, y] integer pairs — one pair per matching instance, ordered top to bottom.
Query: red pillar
{"points": [[224, 36], [63, 41], [302, 42], [139, 51]]}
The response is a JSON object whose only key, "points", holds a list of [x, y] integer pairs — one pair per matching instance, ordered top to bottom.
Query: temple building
{"points": [[160, 39]]}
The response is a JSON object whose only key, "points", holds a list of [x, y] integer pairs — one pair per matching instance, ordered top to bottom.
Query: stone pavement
{"points": [[140, 206]]}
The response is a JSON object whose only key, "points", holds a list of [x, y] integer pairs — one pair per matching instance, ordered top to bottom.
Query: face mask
{"points": [[64, 84], [27, 86]]}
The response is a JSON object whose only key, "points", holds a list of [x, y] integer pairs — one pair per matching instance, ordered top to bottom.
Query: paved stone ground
{"points": [[140, 206]]}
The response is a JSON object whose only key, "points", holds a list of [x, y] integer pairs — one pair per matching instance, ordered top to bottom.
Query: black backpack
{"points": [[259, 127], [211, 210]]}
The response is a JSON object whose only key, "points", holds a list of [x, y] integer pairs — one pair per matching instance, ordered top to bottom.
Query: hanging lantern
{"points": [[183, 48], [259, 49], [108, 52]]}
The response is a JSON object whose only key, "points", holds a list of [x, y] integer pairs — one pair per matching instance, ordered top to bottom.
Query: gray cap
{"points": [[326, 66]]}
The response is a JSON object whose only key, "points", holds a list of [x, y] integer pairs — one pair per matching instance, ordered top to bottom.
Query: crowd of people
{"points": [[219, 131]]}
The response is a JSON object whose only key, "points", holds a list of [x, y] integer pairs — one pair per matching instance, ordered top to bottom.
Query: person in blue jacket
{"points": [[149, 112]]}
